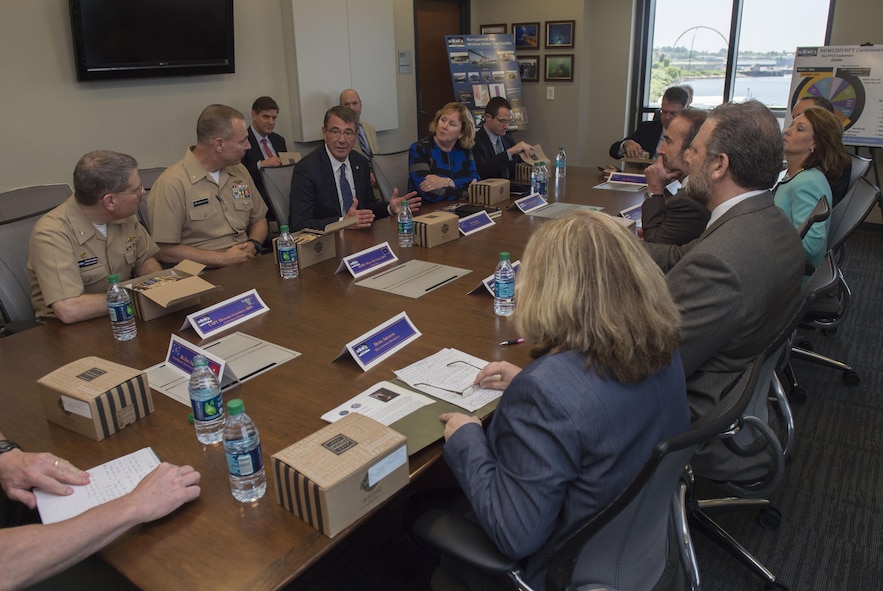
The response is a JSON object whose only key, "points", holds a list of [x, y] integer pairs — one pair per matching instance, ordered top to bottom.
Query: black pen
{"points": [[439, 283], [512, 342]]}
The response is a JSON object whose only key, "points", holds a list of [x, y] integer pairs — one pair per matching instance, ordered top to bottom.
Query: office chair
{"points": [[860, 166], [391, 172], [148, 176], [277, 181], [30, 201], [830, 310], [754, 439]]}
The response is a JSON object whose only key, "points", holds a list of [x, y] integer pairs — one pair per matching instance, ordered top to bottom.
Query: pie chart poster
{"points": [[851, 77]]}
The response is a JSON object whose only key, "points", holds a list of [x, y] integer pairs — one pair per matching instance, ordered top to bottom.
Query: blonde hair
{"points": [[468, 139], [586, 284]]}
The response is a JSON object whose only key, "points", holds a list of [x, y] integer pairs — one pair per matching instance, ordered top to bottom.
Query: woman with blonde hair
{"points": [[816, 157], [440, 165], [578, 423]]}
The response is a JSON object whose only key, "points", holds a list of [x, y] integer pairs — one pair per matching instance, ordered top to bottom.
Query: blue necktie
{"points": [[363, 143], [346, 191]]}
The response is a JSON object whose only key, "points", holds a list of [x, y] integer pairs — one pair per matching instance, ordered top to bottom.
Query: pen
{"points": [[440, 283], [512, 342]]}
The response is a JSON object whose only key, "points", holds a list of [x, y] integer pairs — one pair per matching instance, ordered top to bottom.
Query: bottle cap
{"points": [[404, 203], [283, 229], [504, 256], [113, 278], [199, 361], [235, 406]]}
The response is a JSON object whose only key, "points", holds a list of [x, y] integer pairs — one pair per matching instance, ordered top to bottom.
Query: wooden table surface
{"points": [[217, 542]]}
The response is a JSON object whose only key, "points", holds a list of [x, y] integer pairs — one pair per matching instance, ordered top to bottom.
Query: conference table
{"points": [[216, 542]]}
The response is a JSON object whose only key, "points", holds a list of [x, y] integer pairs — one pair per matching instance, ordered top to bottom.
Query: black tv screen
{"points": [[144, 38]]}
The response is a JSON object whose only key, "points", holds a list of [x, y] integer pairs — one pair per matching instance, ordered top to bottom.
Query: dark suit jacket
{"points": [[647, 134], [254, 155], [491, 165], [314, 200], [673, 219], [736, 286]]}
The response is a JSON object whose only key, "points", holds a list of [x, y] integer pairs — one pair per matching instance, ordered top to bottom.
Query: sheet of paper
{"points": [[621, 187], [557, 210], [414, 278], [448, 375], [384, 402], [107, 482]]}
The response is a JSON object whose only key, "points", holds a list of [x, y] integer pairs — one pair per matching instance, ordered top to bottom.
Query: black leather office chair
{"points": [[148, 176], [277, 180]]}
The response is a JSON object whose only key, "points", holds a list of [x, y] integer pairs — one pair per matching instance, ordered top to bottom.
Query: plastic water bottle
{"points": [[561, 163], [533, 178], [543, 180], [406, 226], [287, 254], [504, 286], [119, 307], [206, 402], [242, 444]]}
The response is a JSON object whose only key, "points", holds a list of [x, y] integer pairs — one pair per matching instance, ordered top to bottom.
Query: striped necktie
{"points": [[363, 143], [268, 151], [346, 191]]}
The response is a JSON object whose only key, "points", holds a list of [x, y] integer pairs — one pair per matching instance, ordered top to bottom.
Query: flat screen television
{"points": [[116, 39]]}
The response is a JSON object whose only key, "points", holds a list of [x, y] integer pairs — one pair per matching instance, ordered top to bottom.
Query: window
{"points": [[727, 49]]}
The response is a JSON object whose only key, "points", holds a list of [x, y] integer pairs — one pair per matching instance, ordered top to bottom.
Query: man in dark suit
{"points": [[648, 135], [265, 144], [495, 151], [334, 182], [670, 216], [738, 283]]}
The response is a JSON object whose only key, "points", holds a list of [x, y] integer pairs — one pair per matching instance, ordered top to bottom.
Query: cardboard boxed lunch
{"points": [[489, 191], [436, 228], [315, 246], [169, 290], [95, 397], [341, 472]]}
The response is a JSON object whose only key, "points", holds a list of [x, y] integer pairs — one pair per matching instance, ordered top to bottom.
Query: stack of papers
{"points": [[448, 375]]}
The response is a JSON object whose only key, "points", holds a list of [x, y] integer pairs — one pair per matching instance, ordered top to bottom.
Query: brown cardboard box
{"points": [[489, 191], [436, 228], [320, 247], [166, 298], [95, 397], [340, 473]]}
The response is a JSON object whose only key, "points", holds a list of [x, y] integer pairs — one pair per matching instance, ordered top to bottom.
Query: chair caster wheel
{"points": [[851, 378], [797, 396], [770, 518], [776, 586]]}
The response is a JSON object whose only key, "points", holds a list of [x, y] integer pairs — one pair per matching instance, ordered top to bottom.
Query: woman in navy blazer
{"points": [[578, 423]]}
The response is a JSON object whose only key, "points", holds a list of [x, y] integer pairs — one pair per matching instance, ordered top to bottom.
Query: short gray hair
{"points": [[101, 172]]}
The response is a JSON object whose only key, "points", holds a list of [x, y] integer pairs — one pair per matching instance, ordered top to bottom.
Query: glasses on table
{"points": [[465, 392]]}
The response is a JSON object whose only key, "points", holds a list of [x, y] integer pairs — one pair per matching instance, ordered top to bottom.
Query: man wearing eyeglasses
{"points": [[648, 135], [495, 151], [333, 182], [93, 234]]}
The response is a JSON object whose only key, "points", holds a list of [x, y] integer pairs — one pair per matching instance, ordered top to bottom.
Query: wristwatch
{"points": [[648, 195], [257, 245], [7, 445]]}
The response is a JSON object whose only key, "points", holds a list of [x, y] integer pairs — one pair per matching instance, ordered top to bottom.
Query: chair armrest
{"points": [[457, 537]]}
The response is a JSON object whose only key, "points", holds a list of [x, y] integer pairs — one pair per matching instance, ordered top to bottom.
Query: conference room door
{"points": [[435, 19]]}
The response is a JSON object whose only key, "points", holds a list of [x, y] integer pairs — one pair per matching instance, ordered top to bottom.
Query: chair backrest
{"points": [[860, 166], [391, 172], [149, 176], [277, 181], [37, 200], [851, 211], [819, 213], [15, 284], [627, 545]]}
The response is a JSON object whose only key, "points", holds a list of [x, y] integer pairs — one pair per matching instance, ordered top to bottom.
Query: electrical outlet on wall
{"points": [[550, 93]]}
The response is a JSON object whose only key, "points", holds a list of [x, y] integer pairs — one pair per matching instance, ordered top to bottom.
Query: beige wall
{"points": [[50, 119]]}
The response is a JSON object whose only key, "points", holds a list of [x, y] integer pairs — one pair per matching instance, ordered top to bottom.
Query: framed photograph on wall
{"points": [[494, 29], [559, 34], [527, 35], [559, 67], [529, 68]]}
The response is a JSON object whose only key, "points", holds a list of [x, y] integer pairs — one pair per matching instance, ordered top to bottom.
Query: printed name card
{"points": [[530, 203], [475, 222], [368, 260], [488, 282], [226, 314], [376, 345], [181, 353]]}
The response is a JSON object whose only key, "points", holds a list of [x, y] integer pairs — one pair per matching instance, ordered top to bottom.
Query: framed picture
{"points": [[494, 29], [559, 34], [527, 35], [559, 67], [529, 68]]}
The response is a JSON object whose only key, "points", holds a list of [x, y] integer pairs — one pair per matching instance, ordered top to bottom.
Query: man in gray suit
{"points": [[739, 282]]}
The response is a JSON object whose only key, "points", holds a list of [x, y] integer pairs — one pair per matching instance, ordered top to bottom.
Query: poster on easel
{"points": [[482, 67], [851, 77]]}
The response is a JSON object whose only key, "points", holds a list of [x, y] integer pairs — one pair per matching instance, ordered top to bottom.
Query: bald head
{"points": [[350, 98]]}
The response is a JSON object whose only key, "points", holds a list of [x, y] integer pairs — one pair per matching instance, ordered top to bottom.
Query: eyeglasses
{"points": [[503, 121], [336, 133], [139, 192], [465, 392]]}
